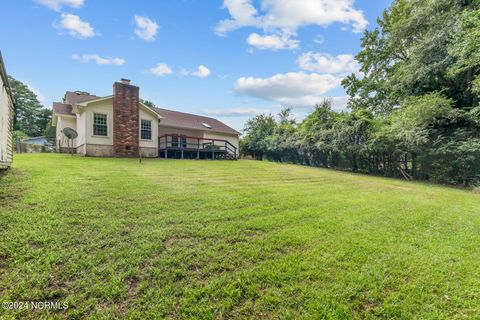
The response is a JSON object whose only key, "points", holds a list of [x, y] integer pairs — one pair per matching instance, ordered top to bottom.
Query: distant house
{"points": [[6, 117], [120, 125], [38, 141]]}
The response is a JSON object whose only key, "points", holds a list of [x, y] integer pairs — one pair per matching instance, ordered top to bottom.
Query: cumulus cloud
{"points": [[58, 4], [242, 13], [291, 15], [287, 16], [75, 26], [146, 29], [272, 42], [85, 58], [322, 62], [161, 69], [201, 72], [297, 89], [235, 112]]}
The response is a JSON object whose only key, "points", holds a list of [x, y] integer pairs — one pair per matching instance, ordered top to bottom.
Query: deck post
{"points": [[166, 145], [181, 147], [198, 149], [213, 149]]}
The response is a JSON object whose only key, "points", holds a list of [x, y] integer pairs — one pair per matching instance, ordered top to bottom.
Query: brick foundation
{"points": [[125, 119], [98, 150], [148, 152]]}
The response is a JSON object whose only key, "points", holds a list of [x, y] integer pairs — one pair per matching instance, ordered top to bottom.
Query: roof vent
{"points": [[125, 81], [206, 125]]}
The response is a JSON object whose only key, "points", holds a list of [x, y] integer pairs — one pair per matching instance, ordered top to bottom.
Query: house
{"points": [[6, 118], [120, 125], [37, 141]]}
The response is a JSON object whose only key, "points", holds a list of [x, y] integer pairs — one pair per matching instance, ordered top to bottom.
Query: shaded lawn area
{"points": [[233, 240]]}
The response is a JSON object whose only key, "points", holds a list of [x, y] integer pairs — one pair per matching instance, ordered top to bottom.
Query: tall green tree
{"points": [[465, 49], [29, 114], [258, 131]]}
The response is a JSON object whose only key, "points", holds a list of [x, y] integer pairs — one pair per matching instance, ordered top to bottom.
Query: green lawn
{"points": [[233, 240]]}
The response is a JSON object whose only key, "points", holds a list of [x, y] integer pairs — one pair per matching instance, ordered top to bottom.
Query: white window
{"points": [[100, 125], [146, 130]]}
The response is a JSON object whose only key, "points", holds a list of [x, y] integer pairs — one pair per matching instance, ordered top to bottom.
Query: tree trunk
{"points": [[414, 165]]}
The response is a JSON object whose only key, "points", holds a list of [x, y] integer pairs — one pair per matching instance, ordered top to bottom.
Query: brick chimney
{"points": [[125, 119]]}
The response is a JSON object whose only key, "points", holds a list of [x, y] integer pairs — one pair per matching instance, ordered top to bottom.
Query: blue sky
{"points": [[228, 59]]}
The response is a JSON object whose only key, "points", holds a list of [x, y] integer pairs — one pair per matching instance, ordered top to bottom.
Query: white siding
{"points": [[103, 107], [62, 123], [6, 143], [153, 143]]}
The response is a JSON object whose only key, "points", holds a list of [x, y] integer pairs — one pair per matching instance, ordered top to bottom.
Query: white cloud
{"points": [[58, 4], [243, 14], [287, 16], [76, 27], [146, 29], [272, 42], [85, 58], [322, 62], [161, 69], [202, 72], [297, 89], [41, 98], [339, 103], [235, 112]]}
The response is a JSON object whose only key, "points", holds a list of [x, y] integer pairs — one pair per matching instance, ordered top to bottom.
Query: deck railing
{"points": [[199, 145]]}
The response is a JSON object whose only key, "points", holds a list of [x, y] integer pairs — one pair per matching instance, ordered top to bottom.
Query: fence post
{"points": [[17, 145]]}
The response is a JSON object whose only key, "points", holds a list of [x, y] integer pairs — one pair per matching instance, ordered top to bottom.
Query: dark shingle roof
{"points": [[73, 98], [70, 99], [62, 108], [192, 121]]}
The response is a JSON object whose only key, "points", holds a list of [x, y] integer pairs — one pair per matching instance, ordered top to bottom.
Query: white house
{"points": [[6, 116], [121, 125]]}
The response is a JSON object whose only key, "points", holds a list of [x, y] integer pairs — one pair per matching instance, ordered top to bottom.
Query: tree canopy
{"points": [[414, 107], [30, 116]]}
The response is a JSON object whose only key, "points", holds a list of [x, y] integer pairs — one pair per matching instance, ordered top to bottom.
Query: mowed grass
{"points": [[176, 239]]}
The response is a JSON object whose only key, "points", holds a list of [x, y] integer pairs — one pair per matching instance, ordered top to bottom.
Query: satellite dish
{"points": [[70, 134]]}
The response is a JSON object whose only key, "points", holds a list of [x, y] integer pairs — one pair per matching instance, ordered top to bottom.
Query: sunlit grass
{"points": [[233, 239]]}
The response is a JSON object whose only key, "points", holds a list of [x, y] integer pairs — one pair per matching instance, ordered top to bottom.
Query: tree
{"points": [[465, 48], [148, 103], [414, 107], [29, 115], [257, 131]]}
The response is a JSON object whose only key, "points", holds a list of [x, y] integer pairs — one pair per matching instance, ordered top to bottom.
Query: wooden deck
{"points": [[172, 146]]}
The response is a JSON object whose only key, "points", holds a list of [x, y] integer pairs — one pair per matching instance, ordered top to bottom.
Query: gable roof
{"points": [[73, 98], [69, 100], [61, 108], [192, 121]]}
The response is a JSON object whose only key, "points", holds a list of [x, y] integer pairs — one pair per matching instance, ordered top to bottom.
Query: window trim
{"points": [[93, 125], [151, 130]]}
